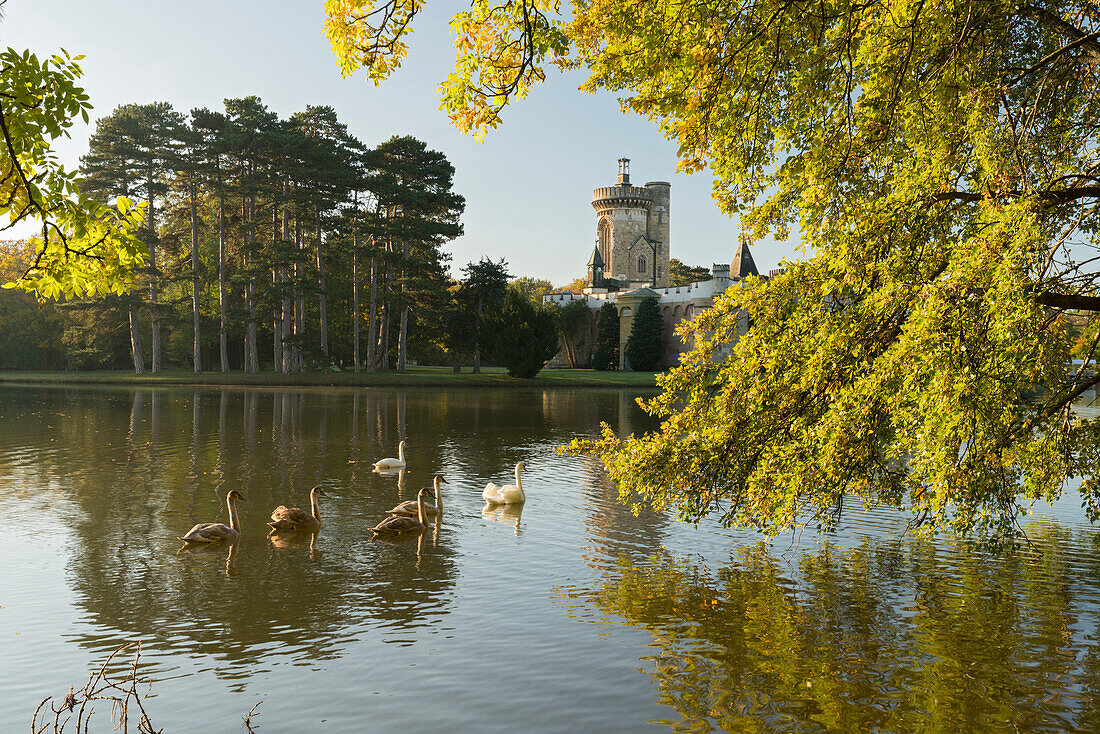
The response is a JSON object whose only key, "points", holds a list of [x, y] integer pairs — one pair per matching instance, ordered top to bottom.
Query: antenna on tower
{"points": [[624, 171]]}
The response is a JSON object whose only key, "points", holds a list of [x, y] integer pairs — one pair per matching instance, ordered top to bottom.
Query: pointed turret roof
{"points": [[596, 260], [743, 265]]}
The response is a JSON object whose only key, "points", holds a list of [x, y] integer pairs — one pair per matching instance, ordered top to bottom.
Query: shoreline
{"points": [[491, 378]]}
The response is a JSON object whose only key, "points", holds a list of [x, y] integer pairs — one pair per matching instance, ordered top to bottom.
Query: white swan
{"points": [[393, 463], [508, 494]]}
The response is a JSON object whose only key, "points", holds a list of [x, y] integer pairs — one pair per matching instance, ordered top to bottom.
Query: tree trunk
{"points": [[195, 280], [154, 282], [321, 282], [355, 297], [299, 298], [372, 317], [284, 327], [276, 332], [223, 333], [402, 334], [276, 336], [477, 339], [403, 340], [135, 342], [251, 353]]}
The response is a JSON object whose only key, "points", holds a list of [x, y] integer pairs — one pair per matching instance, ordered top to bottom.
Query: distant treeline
{"points": [[273, 244]]}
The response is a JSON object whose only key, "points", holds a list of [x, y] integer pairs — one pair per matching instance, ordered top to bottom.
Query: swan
{"points": [[393, 463], [507, 494], [409, 507], [293, 518], [398, 524], [212, 532]]}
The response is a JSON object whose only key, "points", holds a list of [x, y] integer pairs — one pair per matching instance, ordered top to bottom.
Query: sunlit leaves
{"points": [[84, 248]]}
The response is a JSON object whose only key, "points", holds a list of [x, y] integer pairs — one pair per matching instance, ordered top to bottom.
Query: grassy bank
{"points": [[491, 377]]}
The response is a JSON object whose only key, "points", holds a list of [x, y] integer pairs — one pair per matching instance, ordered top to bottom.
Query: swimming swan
{"points": [[393, 463], [508, 494], [409, 507], [293, 518], [399, 524], [212, 532]]}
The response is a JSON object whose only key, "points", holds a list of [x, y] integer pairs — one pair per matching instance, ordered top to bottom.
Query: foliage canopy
{"points": [[939, 160], [84, 247]]}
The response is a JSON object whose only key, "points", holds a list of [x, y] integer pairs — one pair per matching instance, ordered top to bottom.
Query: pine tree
{"points": [[131, 154], [420, 214], [485, 284], [643, 346], [606, 355]]}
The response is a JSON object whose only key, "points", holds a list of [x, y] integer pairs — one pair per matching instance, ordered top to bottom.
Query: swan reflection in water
{"points": [[505, 514], [406, 538], [296, 539], [208, 551]]}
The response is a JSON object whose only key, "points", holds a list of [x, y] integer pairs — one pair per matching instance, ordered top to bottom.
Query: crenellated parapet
{"points": [[622, 196]]}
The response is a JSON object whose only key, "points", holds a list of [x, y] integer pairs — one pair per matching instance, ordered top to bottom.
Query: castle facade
{"points": [[630, 262]]}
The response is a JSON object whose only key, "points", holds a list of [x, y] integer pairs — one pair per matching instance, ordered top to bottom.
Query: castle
{"points": [[630, 262]]}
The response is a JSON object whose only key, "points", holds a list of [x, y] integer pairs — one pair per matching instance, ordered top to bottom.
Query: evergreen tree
{"points": [[132, 153], [420, 214], [485, 284], [522, 337], [643, 346], [606, 355]]}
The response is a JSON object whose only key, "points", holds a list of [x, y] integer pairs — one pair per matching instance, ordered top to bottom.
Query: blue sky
{"points": [[528, 186]]}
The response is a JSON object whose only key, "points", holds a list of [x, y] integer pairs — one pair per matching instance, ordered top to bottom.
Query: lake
{"points": [[571, 614]]}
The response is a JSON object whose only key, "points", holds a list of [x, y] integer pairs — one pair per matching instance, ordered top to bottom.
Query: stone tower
{"points": [[632, 233]]}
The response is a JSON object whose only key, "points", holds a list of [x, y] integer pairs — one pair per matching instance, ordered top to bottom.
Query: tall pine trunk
{"points": [[195, 280], [154, 282], [321, 283], [299, 297], [355, 297], [372, 317], [284, 327], [403, 331], [223, 332], [276, 332], [477, 339], [403, 340], [135, 342], [251, 355]]}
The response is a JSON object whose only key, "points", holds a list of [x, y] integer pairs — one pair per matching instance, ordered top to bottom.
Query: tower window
{"points": [[603, 234], [641, 264]]}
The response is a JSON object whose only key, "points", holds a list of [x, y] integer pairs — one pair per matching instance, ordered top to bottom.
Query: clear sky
{"points": [[528, 187]]}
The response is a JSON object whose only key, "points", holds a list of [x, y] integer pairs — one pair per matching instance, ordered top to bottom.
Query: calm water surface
{"points": [[570, 615]]}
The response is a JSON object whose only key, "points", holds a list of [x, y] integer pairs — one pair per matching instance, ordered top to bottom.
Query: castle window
{"points": [[603, 235], [641, 264], [658, 272]]}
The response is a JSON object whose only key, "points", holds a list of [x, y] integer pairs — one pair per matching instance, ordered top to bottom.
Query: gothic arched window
{"points": [[603, 237], [641, 264]]}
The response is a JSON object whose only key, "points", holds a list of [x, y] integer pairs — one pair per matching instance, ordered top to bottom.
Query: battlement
{"points": [[607, 197]]}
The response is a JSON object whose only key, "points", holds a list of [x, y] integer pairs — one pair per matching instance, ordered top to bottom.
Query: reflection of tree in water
{"points": [[270, 603], [888, 636]]}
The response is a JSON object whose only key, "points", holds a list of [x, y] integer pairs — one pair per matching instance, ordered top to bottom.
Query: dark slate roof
{"points": [[596, 260], [743, 265]]}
